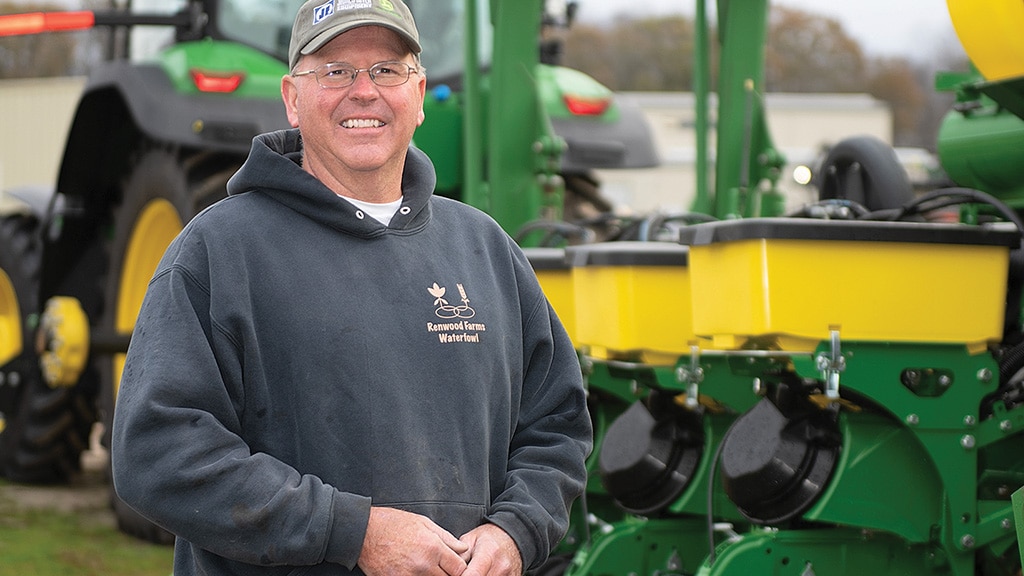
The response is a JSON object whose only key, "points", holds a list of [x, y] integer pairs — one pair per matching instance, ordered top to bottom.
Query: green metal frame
{"points": [[747, 165]]}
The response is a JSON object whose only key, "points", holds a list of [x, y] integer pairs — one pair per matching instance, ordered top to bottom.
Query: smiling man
{"points": [[335, 371]]}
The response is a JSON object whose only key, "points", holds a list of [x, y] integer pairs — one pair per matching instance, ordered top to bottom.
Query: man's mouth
{"points": [[362, 123]]}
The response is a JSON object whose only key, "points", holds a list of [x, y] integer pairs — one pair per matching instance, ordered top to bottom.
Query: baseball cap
{"points": [[320, 21]]}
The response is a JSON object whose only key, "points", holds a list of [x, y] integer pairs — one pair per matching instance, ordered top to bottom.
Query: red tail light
{"points": [[36, 22], [222, 82], [583, 106]]}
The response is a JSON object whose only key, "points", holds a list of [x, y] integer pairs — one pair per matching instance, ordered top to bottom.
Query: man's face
{"points": [[362, 127]]}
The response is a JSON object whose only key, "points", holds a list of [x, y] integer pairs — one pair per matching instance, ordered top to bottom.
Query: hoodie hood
{"points": [[274, 168]]}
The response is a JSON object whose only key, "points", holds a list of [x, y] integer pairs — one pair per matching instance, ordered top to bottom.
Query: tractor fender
{"points": [[124, 103], [200, 120], [625, 142]]}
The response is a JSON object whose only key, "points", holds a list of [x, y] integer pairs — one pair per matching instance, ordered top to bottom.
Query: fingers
{"points": [[449, 540], [399, 543], [492, 553], [452, 563]]}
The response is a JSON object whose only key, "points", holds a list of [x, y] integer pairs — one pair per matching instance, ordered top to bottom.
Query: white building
{"points": [[35, 117], [801, 126]]}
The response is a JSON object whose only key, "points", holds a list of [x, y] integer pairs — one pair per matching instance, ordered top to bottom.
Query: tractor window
{"points": [[263, 24], [442, 32]]}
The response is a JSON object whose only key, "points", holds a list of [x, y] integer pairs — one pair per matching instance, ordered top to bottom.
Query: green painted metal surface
{"points": [[261, 72], [921, 486]]}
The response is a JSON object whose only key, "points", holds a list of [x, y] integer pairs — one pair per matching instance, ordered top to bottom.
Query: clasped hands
{"points": [[400, 543]]}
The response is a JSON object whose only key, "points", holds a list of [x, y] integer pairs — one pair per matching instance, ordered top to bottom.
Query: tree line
{"points": [[804, 52]]}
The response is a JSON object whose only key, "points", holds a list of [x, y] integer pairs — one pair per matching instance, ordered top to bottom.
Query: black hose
{"points": [[553, 230]]}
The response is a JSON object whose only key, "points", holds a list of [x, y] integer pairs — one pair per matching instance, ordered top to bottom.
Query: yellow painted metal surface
{"points": [[992, 33], [157, 225], [557, 286], [796, 291], [622, 310], [10, 321], [65, 327]]}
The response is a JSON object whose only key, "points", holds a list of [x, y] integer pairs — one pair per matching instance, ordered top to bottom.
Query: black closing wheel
{"points": [[865, 170], [165, 188], [43, 430]]}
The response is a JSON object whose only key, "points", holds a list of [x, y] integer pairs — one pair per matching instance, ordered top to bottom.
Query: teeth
{"points": [[361, 123]]}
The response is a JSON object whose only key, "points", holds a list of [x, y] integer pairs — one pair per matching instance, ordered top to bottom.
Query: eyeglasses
{"points": [[341, 75]]}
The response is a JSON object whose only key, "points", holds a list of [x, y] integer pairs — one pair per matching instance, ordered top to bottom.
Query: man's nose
{"points": [[363, 86]]}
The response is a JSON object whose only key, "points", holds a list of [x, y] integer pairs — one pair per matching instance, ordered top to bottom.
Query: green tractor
{"points": [[160, 129]]}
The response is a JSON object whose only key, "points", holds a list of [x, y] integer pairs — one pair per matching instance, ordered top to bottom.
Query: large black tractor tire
{"points": [[865, 170], [162, 192], [45, 429]]}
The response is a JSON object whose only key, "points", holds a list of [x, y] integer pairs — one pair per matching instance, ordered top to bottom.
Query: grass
{"points": [[79, 541]]}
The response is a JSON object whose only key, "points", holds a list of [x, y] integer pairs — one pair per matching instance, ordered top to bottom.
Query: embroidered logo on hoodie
{"points": [[459, 329]]}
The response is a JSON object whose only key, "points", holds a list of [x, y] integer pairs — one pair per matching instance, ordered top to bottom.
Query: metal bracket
{"points": [[831, 364], [692, 376]]}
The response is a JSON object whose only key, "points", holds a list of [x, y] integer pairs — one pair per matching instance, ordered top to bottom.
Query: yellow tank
{"points": [[992, 34], [553, 273], [791, 281], [632, 300]]}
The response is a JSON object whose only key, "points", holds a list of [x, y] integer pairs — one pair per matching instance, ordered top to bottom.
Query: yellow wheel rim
{"points": [[991, 33], [156, 227], [10, 321]]}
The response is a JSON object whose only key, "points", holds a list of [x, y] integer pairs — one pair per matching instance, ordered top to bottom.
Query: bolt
{"points": [[587, 364], [984, 375], [912, 378], [14, 379], [945, 381], [759, 387], [913, 419], [969, 420], [1006, 425], [967, 441], [1003, 491], [1005, 524], [967, 541], [674, 562]]}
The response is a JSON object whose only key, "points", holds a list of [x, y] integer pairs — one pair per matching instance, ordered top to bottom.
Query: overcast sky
{"points": [[911, 28]]}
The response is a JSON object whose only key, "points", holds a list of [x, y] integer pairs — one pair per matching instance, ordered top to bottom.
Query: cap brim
{"points": [[329, 34]]}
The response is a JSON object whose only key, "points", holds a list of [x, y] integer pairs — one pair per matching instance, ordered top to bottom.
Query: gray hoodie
{"points": [[296, 362]]}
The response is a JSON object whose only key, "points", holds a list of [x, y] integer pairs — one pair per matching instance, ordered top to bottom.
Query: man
{"points": [[334, 370]]}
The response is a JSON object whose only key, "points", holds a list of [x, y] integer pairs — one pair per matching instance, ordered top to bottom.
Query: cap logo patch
{"points": [[354, 4], [323, 11]]}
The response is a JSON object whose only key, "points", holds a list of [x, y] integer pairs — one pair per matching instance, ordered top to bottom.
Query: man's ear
{"points": [[290, 95], [423, 95]]}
